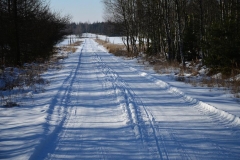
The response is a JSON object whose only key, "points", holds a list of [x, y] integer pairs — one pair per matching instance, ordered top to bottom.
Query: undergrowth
{"points": [[71, 47], [116, 49], [191, 74], [18, 82]]}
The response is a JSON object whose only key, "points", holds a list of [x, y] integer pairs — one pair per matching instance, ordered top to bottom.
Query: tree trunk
{"points": [[15, 17], [201, 29], [167, 30], [180, 41]]}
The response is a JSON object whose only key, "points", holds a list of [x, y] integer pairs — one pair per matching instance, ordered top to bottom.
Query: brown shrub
{"points": [[71, 47], [116, 49]]}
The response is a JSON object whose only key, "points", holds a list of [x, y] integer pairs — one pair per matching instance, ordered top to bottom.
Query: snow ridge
{"points": [[227, 118], [230, 119]]}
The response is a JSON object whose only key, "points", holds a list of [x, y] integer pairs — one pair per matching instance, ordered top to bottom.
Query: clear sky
{"points": [[80, 10]]}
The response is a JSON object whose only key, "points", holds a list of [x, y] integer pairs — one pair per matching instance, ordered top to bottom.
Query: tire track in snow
{"points": [[122, 94], [130, 104], [133, 105], [72, 111], [216, 115], [223, 118], [73, 122], [157, 134], [164, 134], [50, 135], [161, 141], [102, 152]]}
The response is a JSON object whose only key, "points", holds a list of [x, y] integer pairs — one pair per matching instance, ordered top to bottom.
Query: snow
{"points": [[114, 40], [66, 41], [203, 71], [217, 76], [235, 78], [103, 107]]}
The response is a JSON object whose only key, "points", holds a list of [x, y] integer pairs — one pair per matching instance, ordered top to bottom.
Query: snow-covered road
{"points": [[102, 107]]}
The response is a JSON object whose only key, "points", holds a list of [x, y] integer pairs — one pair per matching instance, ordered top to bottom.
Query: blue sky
{"points": [[80, 10]]}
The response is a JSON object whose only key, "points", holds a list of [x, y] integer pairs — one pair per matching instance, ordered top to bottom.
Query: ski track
{"points": [[132, 102], [129, 103], [107, 108], [216, 116]]}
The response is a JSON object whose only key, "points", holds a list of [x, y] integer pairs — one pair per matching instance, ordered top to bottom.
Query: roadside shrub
{"points": [[28, 30]]}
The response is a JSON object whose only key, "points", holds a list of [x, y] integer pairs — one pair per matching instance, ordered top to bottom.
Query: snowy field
{"points": [[68, 39], [114, 40], [103, 107]]}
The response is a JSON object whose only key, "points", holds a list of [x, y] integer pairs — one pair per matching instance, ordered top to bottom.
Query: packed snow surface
{"points": [[103, 107]]}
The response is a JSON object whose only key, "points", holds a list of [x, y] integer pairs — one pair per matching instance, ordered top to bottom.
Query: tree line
{"points": [[104, 28], [180, 30], [28, 31]]}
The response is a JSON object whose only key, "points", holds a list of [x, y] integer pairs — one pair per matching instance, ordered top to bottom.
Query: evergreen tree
{"points": [[223, 47]]}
